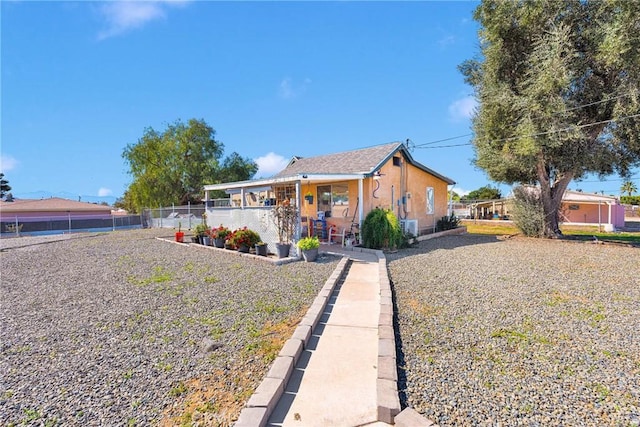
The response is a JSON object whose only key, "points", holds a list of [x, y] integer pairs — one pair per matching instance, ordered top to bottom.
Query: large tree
{"points": [[557, 89], [171, 167]]}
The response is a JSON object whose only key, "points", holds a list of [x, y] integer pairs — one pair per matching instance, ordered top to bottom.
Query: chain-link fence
{"points": [[185, 217], [259, 219], [16, 225]]}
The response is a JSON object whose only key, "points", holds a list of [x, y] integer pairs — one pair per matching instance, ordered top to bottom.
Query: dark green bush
{"points": [[447, 223], [381, 229]]}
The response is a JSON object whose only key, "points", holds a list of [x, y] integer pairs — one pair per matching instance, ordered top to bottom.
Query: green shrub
{"points": [[630, 200], [528, 213], [447, 223], [200, 229], [381, 229], [307, 243]]}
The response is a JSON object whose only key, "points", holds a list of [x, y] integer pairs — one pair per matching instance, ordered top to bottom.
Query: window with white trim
{"points": [[430, 201]]}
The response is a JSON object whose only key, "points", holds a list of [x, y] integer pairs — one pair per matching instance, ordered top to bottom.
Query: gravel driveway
{"points": [[124, 329], [509, 332]]}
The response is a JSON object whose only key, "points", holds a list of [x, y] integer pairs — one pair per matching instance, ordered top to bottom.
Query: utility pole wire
{"points": [[511, 138]]}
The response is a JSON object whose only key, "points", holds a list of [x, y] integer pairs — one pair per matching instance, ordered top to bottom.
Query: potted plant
{"points": [[309, 197], [285, 217], [201, 231], [180, 234], [219, 235], [243, 239], [309, 247], [261, 249]]}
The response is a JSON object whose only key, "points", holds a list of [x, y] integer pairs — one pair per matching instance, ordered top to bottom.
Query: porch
{"points": [[326, 206]]}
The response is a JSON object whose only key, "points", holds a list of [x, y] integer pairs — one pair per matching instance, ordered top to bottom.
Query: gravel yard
{"points": [[124, 329], [509, 332]]}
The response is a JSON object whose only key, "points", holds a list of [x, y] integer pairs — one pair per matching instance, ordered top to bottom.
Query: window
{"points": [[334, 199], [430, 201]]}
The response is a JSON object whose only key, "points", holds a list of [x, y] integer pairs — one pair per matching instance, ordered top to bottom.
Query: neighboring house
{"points": [[344, 187], [586, 208], [577, 209], [54, 213]]}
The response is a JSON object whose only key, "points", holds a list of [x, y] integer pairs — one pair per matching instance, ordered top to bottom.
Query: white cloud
{"points": [[123, 16], [446, 41], [289, 90], [463, 109], [7, 163], [270, 164], [461, 191], [103, 192]]}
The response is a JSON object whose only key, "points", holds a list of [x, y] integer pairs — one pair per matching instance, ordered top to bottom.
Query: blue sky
{"points": [[81, 80]]}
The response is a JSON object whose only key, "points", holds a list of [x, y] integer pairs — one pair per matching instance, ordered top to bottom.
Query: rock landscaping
{"points": [[124, 329], [519, 331]]}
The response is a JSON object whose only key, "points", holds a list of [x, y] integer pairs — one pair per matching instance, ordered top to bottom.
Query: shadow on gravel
{"points": [[446, 243]]}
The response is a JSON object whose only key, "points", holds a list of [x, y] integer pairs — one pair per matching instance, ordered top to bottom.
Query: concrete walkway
{"points": [[339, 367], [334, 381]]}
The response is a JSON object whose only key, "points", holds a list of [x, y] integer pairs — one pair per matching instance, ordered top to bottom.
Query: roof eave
{"points": [[284, 180]]}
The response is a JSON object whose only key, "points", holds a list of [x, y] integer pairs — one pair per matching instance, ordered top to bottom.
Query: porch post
{"points": [[242, 198], [360, 206], [599, 216], [298, 217]]}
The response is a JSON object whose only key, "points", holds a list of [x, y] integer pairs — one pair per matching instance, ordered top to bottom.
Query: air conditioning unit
{"points": [[409, 226]]}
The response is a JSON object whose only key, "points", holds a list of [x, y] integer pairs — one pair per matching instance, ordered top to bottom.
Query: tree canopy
{"points": [[557, 85], [171, 167], [4, 186], [628, 187], [484, 193]]}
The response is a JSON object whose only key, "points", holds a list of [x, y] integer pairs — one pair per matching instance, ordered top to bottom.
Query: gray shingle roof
{"points": [[364, 160]]}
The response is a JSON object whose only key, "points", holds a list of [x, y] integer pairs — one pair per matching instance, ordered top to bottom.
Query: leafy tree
{"points": [[557, 85], [173, 166], [4, 186], [628, 187], [484, 193], [453, 196]]}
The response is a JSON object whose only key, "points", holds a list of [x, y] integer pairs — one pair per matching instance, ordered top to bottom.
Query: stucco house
{"points": [[336, 192], [577, 208]]}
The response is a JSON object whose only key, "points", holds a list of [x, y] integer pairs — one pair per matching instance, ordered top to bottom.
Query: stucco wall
{"points": [[393, 187], [387, 192], [593, 213]]}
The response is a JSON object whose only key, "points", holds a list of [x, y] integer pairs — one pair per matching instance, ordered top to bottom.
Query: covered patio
{"points": [[327, 206]]}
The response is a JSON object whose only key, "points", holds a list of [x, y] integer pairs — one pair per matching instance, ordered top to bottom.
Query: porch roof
{"points": [[265, 182]]}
